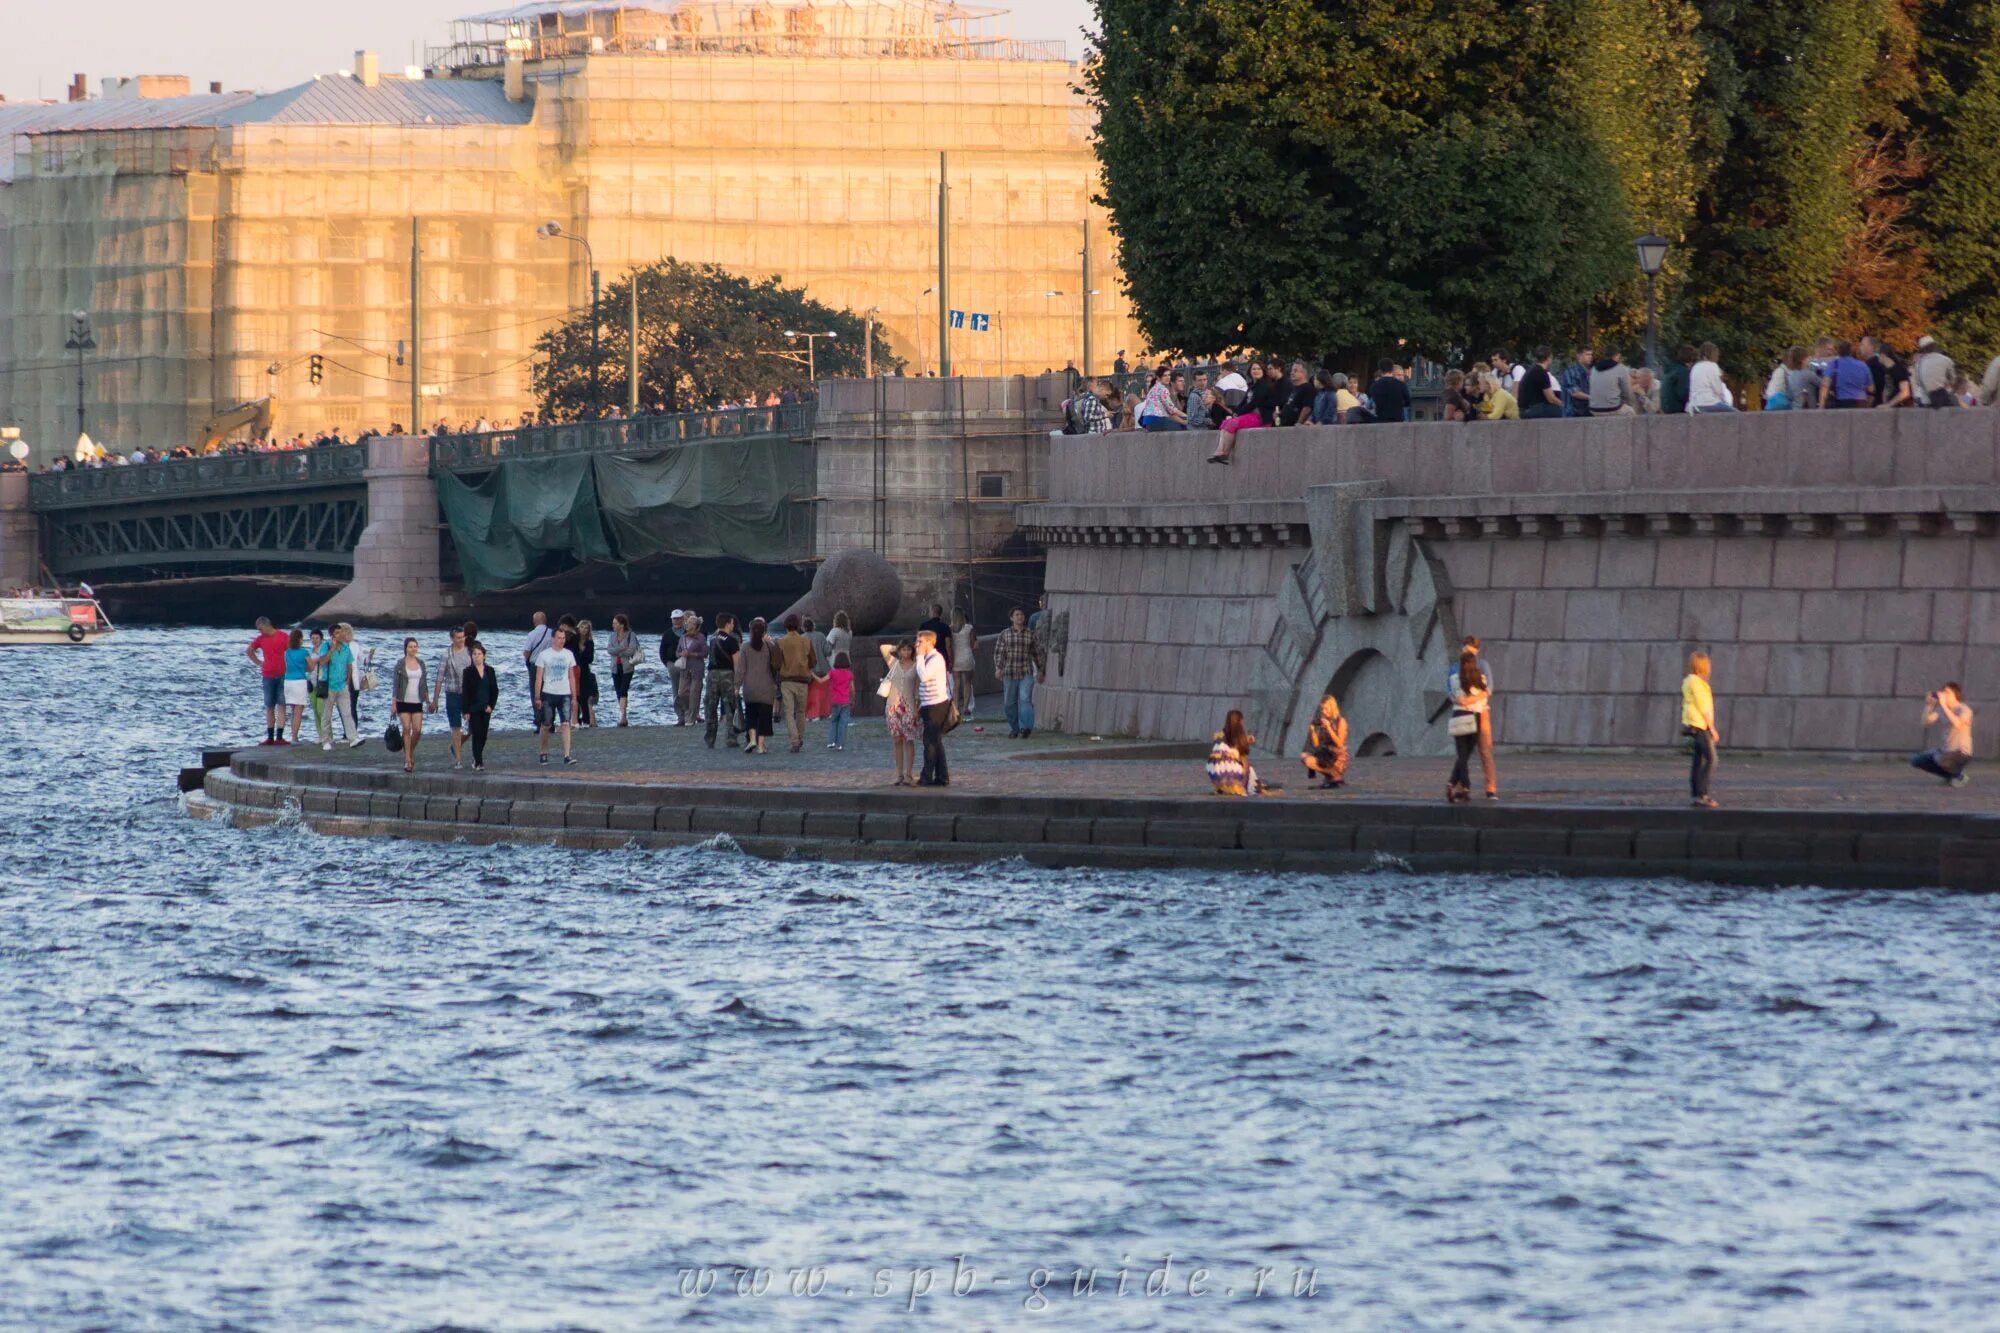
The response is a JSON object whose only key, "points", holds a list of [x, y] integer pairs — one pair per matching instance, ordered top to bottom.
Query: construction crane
{"points": [[257, 414]]}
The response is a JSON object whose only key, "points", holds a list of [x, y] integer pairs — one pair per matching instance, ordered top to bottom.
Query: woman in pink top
{"points": [[840, 686]]}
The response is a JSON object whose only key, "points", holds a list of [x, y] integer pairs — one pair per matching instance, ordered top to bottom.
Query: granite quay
{"points": [[1837, 566], [1062, 801]]}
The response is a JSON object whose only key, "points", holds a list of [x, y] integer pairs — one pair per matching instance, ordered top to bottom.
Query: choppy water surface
{"points": [[273, 1080]]}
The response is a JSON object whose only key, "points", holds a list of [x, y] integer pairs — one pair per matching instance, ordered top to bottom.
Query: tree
{"points": [[1634, 84], [1784, 115], [1303, 176], [1957, 204], [706, 336]]}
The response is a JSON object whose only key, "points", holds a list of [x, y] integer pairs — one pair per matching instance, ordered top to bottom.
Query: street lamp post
{"points": [[553, 230], [1652, 250], [917, 318], [868, 341], [79, 342], [812, 367]]}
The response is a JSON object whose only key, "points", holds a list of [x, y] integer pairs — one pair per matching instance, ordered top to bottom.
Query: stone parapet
{"points": [[1836, 566]]}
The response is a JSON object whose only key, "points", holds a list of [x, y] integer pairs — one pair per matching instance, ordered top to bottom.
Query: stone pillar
{"points": [[20, 534], [396, 577]]}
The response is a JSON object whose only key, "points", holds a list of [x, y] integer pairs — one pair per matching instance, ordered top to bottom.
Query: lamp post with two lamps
{"points": [[553, 231], [1652, 250], [79, 342], [812, 366]]}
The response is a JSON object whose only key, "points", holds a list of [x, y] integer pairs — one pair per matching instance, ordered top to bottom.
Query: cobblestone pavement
{"points": [[984, 762]]}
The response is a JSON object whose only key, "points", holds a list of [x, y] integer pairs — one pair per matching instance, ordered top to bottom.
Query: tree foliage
{"points": [[1957, 111], [1320, 175], [1346, 178], [706, 336]]}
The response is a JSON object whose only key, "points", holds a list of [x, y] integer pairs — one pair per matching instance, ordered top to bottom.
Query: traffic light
{"points": [[316, 363]]}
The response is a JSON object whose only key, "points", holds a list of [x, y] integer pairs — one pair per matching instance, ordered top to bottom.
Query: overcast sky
{"points": [[266, 44]]}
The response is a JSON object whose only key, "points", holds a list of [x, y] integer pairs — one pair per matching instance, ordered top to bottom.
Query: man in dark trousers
{"points": [[939, 630]]}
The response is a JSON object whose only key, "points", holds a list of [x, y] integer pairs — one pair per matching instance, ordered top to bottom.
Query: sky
{"points": [[267, 44]]}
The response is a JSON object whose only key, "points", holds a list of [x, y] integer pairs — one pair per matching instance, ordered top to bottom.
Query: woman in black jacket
{"points": [[481, 686]]}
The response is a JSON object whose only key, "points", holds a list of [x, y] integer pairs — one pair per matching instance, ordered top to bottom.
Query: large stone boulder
{"points": [[856, 581]]}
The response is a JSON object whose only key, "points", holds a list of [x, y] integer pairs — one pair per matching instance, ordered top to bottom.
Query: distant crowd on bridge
{"points": [[1259, 393], [89, 455]]}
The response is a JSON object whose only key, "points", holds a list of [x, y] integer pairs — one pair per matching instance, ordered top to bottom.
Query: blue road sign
{"points": [[958, 319], [981, 323]]}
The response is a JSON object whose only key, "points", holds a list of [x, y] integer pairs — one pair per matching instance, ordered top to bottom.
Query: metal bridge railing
{"points": [[471, 453], [214, 474]]}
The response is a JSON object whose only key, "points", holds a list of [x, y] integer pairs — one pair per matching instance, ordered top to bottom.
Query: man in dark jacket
{"points": [[1674, 383]]}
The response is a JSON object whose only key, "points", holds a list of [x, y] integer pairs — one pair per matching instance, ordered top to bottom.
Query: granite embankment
{"points": [[1064, 802]]}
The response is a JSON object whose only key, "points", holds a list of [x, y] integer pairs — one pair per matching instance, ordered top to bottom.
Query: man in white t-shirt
{"points": [[1232, 388], [533, 647], [555, 687], [934, 703]]}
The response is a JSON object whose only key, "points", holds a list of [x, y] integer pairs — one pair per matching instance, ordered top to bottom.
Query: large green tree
{"points": [[1784, 115], [1349, 177], [1958, 202], [706, 336]]}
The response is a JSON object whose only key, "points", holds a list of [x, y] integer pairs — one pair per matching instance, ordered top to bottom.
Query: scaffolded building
{"points": [[218, 242]]}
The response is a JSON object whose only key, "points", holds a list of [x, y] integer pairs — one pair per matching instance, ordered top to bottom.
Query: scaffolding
{"points": [[879, 29], [219, 243]]}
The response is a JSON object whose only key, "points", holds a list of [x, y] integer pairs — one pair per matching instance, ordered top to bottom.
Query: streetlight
{"points": [[553, 231], [1652, 250], [917, 319], [868, 341], [79, 342], [812, 368]]}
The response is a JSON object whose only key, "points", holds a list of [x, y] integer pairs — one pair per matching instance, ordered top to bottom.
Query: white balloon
{"points": [[19, 449]]}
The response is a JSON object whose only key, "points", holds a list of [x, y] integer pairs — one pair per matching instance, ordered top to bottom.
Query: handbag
{"points": [[951, 717], [1463, 724], [393, 739]]}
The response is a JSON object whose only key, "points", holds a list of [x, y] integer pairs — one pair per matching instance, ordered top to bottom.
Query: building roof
{"points": [[332, 99], [337, 100], [134, 113]]}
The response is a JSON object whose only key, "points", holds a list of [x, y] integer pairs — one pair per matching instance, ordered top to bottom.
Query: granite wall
{"points": [[1836, 565]]}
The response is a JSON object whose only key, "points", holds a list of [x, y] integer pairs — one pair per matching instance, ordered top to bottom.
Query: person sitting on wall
{"points": [[1325, 754], [1949, 760], [1229, 770]]}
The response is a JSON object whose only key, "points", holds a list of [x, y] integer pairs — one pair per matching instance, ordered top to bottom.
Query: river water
{"points": [[273, 1080]]}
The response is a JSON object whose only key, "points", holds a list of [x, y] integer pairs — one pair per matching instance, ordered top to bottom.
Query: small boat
{"points": [[53, 618]]}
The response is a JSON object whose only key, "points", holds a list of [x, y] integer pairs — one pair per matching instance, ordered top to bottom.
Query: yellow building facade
{"points": [[218, 242]]}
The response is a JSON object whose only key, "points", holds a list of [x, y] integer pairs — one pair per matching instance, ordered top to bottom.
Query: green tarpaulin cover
{"points": [[729, 498]]}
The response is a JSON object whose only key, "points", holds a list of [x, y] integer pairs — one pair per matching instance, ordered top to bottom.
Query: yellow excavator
{"points": [[258, 414]]}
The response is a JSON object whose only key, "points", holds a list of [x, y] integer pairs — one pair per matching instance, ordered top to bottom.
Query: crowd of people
{"points": [[1253, 393], [98, 456], [739, 686], [1469, 689]]}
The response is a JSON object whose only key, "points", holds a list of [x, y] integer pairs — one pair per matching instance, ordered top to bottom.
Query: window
{"points": [[992, 485]]}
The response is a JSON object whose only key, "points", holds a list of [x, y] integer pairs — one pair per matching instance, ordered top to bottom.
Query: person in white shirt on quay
{"points": [[1706, 390], [934, 702]]}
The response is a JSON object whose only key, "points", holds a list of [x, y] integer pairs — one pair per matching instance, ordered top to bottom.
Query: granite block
{"points": [[1770, 617], [1894, 617]]}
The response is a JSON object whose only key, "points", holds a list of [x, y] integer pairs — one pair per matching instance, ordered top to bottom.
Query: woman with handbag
{"points": [[756, 671], [899, 692], [1469, 699]]}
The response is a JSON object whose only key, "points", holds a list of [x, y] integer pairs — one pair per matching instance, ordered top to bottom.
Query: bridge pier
{"points": [[20, 534], [397, 579]]}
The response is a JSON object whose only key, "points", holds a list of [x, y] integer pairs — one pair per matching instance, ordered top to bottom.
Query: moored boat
{"points": [[52, 618]]}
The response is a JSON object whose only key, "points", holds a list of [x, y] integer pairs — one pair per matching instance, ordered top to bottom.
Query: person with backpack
{"points": [[1085, 413]]}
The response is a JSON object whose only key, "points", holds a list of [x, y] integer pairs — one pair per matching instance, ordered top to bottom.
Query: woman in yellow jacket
{"points": [[1698, 725]]}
